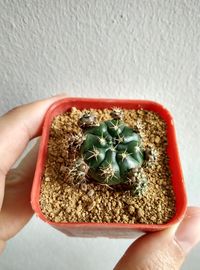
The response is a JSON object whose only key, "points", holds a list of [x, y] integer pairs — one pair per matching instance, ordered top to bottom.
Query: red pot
{"points": [[112, 230]]}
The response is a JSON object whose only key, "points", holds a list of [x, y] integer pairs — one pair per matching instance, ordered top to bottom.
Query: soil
{"points": [[64, 200]]}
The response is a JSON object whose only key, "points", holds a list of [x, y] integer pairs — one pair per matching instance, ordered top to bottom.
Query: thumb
{"points": [[16, 209], [165, 249]]}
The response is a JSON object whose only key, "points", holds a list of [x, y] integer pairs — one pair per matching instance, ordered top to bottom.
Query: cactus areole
{"points": [[111, 149]]}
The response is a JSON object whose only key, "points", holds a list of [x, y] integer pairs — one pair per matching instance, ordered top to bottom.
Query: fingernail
{"points": [[188, 232]]}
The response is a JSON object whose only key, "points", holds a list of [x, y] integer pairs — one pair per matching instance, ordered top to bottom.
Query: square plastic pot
{"points": [[112, 230]]}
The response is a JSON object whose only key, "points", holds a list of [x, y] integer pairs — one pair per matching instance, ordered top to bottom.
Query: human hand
{"points": [[17, 128], [165, 249], [160, 250]]}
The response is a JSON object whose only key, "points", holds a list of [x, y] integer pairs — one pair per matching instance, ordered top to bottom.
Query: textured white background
{"points": [[125, 49]]}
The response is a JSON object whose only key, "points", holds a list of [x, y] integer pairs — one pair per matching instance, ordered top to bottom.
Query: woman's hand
{"points": [[17, 128], [160, 250], [164, 250]]}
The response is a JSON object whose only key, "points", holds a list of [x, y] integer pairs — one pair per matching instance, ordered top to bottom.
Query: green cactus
{"points": [[111, 149], [138, 181]]}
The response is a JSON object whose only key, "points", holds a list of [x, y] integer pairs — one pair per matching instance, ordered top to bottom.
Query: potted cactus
{"points": [[111, 153], [101, 173]]}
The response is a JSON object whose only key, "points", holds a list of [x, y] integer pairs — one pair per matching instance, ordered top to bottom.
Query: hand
{"points": [[17, 128], [165, 249], [161, 250]]}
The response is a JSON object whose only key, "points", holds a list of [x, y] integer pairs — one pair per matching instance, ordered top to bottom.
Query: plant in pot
{"points": [[111, 152], [108, 168]]}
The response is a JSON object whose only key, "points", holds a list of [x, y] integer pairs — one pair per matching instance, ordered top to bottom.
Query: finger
{"points": [[17, 127], [16, 209], [188, 233], [166, 249]]}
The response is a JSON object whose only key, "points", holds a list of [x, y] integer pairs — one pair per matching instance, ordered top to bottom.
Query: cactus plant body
{"points": [[110, 150]]}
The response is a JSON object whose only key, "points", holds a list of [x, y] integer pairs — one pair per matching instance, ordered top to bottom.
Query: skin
{"points": [[17, 128], [166, 249], [160, 250]]}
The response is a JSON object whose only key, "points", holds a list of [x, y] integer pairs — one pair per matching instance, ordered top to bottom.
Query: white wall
{"points": [[125, 49]]}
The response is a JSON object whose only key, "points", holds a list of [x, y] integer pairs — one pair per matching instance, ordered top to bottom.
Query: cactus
{"points": [[117, 113], [87, 120], [110, 149], [151, 156], [78, 171], [138, 182], [139, 187]]}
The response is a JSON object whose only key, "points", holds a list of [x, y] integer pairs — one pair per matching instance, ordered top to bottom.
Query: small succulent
{"points": [[117, 113], [87, 120], [75, 140], [110, 149], [151, 155], [78, 171], [138, 181]]}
